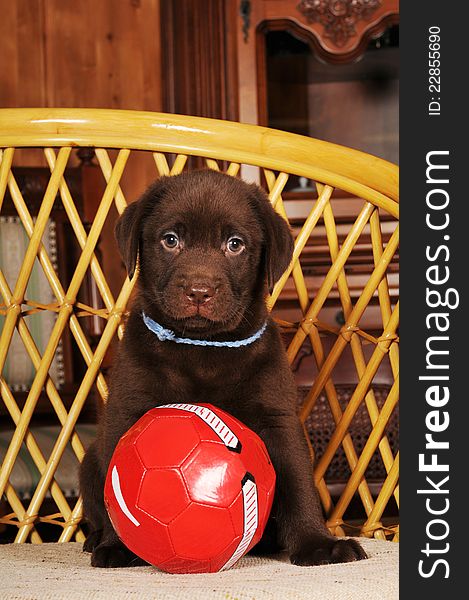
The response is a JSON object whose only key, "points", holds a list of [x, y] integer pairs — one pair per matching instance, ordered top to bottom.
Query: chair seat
{"points": [[63, 571]]}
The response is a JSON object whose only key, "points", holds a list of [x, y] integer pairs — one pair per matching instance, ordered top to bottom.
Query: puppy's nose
{"points": [[199, 293]]}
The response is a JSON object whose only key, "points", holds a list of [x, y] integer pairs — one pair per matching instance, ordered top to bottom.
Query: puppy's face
{"points": [[207, 244]]}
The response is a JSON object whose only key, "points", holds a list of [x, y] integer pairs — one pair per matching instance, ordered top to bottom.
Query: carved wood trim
{"points": [[338, 17], [337, 31]]}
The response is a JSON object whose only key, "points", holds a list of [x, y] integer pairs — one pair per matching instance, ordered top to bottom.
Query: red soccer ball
{"points": [[189, 488]]}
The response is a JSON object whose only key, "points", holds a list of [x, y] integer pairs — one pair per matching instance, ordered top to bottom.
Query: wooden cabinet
{"points": [[337, 32], [355, 104]]}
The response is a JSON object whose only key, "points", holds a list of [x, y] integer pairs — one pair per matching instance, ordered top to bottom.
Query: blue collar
{"points": [[167, 335]]}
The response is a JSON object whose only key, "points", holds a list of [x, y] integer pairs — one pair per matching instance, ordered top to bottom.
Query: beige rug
{"points": [[62, 571]]}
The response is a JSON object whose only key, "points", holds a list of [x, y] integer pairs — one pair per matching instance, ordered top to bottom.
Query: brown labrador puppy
{"points": [[208, 247]]}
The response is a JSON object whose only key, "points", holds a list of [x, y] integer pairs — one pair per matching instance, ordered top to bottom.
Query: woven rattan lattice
{"points": [[170, 140]]}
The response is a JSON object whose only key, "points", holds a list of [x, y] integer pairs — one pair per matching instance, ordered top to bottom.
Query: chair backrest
{"points": [[170, 140]]}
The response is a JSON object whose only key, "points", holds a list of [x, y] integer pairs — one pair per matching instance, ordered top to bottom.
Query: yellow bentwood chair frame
{"points": [[277, 155]]}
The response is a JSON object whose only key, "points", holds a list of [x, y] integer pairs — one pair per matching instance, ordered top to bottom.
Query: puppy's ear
{"points": [[129, 227], [278, 240]]}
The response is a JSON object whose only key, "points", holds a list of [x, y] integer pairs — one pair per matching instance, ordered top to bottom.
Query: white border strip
{"points": [[212, 420], [116, 488], [251, 519]]}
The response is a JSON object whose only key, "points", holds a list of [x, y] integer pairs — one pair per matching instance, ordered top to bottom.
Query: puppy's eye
{"points": [[170, 241], [235, 245]]}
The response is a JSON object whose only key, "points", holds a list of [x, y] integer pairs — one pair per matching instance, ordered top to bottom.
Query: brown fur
{"points": [[203, 288]]}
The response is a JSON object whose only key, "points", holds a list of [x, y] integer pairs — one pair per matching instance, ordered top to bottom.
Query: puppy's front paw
{"points": [[325, 550], [114, 555]]}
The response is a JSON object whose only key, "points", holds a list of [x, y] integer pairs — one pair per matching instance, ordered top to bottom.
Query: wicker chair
{"points": [[171, 140]]}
